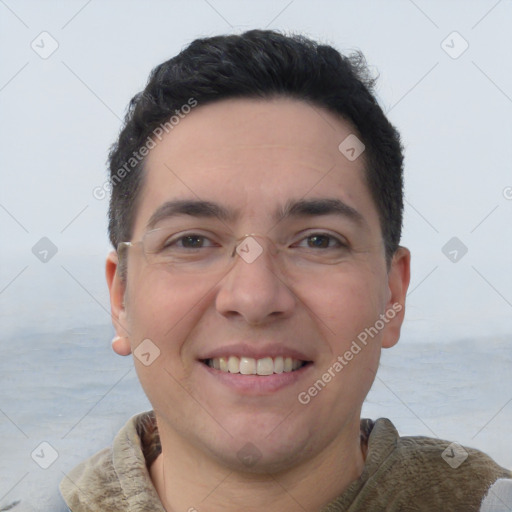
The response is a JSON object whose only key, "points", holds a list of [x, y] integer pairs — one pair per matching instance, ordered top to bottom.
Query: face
{"points": [[319, 283]]}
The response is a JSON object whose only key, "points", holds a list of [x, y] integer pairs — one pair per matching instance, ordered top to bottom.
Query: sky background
{"points": [[68, 70], [60, 114]]}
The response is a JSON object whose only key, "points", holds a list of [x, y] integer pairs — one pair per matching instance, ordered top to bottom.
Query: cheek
{"points": [[355, 301], [345, 302], [164, 308]]}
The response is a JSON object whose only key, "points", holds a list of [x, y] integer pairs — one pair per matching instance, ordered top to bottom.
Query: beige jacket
{"points": [[401, 474]]}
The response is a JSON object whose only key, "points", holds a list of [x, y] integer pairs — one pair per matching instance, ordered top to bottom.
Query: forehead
{"points": [[237, 130], [253, 155]]}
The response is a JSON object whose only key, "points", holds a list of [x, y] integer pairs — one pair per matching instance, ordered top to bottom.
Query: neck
{"points": [[187, 479]]}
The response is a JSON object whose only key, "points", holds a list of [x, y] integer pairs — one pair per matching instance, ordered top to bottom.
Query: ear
{"points": [[398, 282], [117, 289]]}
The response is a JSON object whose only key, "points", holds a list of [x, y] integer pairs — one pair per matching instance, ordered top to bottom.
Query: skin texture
{"points": [[253, 156]]}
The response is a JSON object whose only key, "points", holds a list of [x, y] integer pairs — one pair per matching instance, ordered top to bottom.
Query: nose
{"points": [[255, 288]]}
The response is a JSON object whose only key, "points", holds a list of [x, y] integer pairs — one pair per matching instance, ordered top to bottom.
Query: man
{"points": [[256, 210]]}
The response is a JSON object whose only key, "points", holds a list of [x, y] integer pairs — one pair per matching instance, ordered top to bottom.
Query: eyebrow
{"points": [[322, 206], [192, 207], [293, 208]]}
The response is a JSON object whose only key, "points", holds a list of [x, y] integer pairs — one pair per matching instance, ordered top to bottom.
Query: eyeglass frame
{"points": [[237, 242]]}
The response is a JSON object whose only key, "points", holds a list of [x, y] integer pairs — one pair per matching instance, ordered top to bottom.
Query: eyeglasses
{"points": [[200, 251]]}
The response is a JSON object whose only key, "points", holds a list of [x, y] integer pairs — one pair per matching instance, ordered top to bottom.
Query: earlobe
{"points": [[398, 282], [117, 288], [121, 345]]}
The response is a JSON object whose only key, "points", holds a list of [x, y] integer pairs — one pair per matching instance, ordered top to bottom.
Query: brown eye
{"points": [[187, 241], [192, 241], [316, 241], [322, 241]]}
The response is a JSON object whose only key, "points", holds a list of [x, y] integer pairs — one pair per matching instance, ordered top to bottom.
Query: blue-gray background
{"points": [[450, 375]]}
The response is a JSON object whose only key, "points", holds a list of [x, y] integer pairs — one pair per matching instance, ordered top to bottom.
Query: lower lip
{"points": [[257, 384]]}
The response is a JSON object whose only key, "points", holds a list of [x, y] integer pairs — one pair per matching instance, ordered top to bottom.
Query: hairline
{"points": [[142, 171]]}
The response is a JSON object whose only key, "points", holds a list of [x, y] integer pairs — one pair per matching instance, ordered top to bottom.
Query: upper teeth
{"points": [[251, 366]]}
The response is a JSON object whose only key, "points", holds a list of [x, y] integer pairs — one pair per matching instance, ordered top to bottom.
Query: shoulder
{"points": [[448, 460], [434, 473], [115, 477], [91, 483]]}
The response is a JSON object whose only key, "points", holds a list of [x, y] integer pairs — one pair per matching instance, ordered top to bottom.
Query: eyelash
{"points": [[338, 242]]}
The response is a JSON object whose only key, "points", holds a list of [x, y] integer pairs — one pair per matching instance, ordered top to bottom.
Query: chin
{"points": [[256, 450], [260, 458]]}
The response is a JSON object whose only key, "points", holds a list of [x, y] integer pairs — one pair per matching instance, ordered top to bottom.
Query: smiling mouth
{"points": [[251, 366]]}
